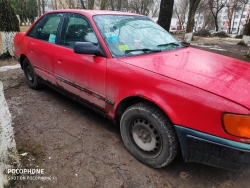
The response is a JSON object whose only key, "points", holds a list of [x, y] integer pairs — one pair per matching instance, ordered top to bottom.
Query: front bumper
{"points": [[207, 149]]}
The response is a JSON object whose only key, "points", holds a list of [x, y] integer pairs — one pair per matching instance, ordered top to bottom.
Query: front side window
{"points": [[46, 28], [76, 28], [134, 35]]}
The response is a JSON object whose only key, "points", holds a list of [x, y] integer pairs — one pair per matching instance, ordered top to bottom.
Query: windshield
{"points": [[134, 35]]}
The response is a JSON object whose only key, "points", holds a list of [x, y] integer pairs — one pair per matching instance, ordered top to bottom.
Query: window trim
{"points": [[81, 15], [39, 23], [58, 40]]}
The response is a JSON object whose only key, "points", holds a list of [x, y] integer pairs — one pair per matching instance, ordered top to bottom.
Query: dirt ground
{"points": [[225, 46], [78, 148]]}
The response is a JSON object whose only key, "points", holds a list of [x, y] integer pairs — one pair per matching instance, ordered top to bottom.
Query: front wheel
{"points": [[30, 75], [149, 135]]}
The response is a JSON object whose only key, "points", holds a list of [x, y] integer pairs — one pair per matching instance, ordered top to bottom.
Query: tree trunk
{"points": [[54, 4], [82, 4], [91, 4], [103, 4], [193, 4], [112, 5], [119, 5], [43, 6], [39, 7], [242, 11], [165, 15], [8, 18], [216, 23], [9, 25], [247, 29], [248, 53], [8, 153]]}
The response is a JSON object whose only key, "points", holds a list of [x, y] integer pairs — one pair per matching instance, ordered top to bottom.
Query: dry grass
{"points": [[22, 29]]}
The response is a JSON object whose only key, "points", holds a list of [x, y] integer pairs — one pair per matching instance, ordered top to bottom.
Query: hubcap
{"points": [[146, 136]]}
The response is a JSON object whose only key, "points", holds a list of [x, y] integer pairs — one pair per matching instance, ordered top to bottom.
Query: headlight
{"points": [[237, 125]]}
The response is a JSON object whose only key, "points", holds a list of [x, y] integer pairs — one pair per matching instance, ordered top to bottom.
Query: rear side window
{"points": [[46, 29]]}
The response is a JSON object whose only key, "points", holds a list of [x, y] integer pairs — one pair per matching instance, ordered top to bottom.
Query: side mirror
{"points": [[88, 48]]}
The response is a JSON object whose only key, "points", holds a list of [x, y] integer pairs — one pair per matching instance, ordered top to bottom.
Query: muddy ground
{"points": [[225, 46], [78, 148]]}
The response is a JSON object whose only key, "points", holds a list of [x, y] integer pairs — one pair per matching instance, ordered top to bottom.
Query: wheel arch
{"points": [[22, 57], [131, 100]]}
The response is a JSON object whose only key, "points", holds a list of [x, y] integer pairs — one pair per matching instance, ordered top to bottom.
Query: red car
{"points": [[164, 96]]}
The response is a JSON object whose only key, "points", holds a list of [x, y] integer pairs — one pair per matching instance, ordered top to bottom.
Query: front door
{"points": [[81, 74]]}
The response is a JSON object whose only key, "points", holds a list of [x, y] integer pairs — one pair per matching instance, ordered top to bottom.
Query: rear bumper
{"points": [[16, 57], [207, 149]]}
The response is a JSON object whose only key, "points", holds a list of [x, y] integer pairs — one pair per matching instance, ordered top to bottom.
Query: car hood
{"points": [[221, 75]]}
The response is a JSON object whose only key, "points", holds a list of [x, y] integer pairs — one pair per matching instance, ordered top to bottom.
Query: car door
{"points": [[42, 45], [83, 75]]}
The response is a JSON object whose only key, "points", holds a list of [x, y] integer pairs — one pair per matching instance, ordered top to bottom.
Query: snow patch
{"points": [[245, 39], [212, 47], [5, 68]]}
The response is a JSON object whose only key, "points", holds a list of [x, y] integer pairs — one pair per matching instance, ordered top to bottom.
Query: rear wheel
{"points": [[30, 75], [149, 135]]}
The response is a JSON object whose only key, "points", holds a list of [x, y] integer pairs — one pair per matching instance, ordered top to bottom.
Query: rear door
{"points": [[42, 45]]}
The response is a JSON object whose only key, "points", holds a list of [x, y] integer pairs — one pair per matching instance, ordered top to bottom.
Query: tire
{"points": [[30, 75], [148, 135]]}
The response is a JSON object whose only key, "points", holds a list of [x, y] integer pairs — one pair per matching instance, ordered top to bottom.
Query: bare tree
{"points": [[70, 3], [54, 4], [62, 4], [91, 4], [104, 4], [115, 4], [82, 5], [118, 5], [193, 5], [244, 5], [43, 6], [141, 6], [39, 7], [215, 7], [233, 7], [154, 9], [180, 10], [165, 15], [203, 16], [9, 25], [247, 29]]}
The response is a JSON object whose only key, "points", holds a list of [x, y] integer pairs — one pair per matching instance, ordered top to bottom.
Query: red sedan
{"points": [[164, 96]]}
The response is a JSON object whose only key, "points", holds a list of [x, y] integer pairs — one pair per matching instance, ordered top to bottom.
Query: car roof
{"points": [[93, 12]]}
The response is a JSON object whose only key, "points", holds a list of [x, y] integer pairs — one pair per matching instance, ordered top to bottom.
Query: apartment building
{"points": [[231, 19], [233, 22]]}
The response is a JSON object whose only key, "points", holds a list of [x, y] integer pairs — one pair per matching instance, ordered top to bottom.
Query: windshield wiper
{"points": [[171, 43], [143, 50]]}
